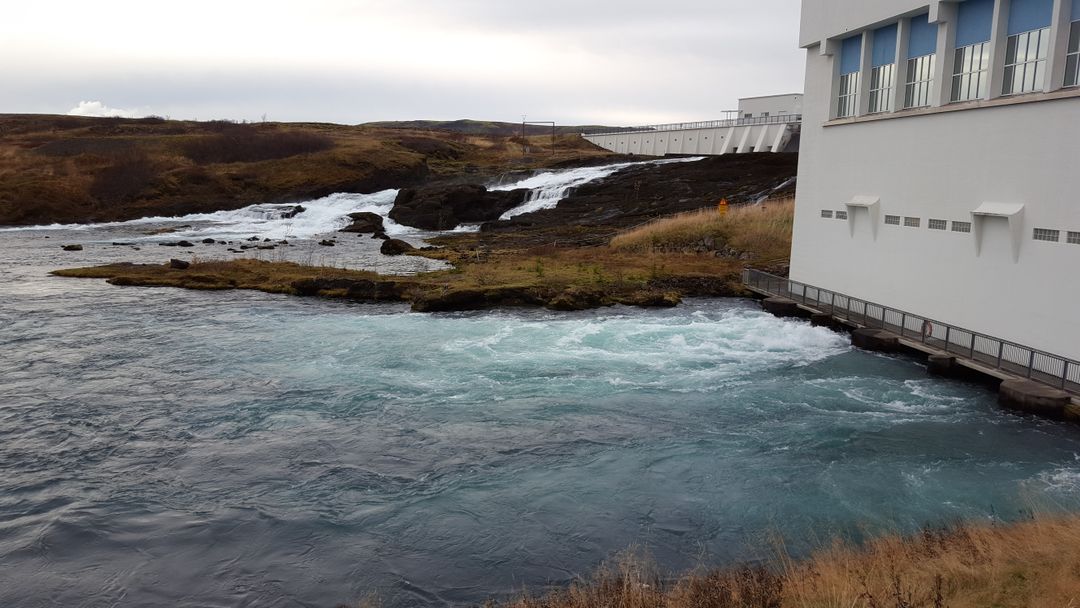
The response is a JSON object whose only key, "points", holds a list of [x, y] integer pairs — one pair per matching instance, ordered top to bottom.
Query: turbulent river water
{"points": [[162, 447]]}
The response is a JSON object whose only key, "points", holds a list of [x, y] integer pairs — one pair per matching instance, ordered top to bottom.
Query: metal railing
{"points": [[708, 124], [1043, 367]]}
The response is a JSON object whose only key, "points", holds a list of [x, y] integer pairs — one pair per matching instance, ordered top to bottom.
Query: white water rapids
{"points": [[330, 214]]}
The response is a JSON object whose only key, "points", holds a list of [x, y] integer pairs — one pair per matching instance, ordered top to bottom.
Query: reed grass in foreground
{"points": [[762, 230], [1033, 564]]}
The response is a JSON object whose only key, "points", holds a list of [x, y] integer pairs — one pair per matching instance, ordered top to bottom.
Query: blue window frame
{"points": [[1028, 15], [974, 22], [923, 40], [851, 55]]}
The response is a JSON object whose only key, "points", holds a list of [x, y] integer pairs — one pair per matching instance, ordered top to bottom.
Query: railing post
{"points": [[903, 325], [948, 333], [1001, 352], [972, 355], [1031, 363], [1065, 374]]}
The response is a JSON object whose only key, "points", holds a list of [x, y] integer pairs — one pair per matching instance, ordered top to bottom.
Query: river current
{"points": [[161, 447]]}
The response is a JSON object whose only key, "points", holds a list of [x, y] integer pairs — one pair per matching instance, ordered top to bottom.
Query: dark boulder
{"points": [[447, 207], [291, 213], [364, 221], [208, 241], [327, 243], [185, 244], [72, 247], [395, 247], [179, 264]]}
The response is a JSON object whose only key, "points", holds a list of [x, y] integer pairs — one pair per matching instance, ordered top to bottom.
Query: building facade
{"points": [[762, 124], [938, 173]]}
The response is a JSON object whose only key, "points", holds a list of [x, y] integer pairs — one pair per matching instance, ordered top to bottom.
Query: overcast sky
{"points": [[349, 61]]}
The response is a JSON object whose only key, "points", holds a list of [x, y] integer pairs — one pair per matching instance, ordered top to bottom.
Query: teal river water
{"points": [[162, 447]]}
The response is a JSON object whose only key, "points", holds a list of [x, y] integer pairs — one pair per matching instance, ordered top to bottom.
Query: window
{"points": [[974, 25], [1027, 45], [921, 59], [1072, 60], [1025, 62], [850, 64], [883, 69], [970, 77], [920, 82], [881, 83], [849, 95], [764, 114], [749, 115], [826, 213], [841, 215], [892, 220], [912, 222], [937, 224], [961, 226], [1045, 234], [1073, 238]]}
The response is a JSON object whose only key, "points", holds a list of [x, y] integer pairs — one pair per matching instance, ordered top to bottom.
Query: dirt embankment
{"points": [[71, 169]]}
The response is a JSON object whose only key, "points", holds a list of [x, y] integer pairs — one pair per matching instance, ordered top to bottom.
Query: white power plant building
{"points": [[762, 124], [940, 162]]}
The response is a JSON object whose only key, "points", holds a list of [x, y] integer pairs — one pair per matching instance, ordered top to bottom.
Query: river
{"points": [[161, 447]]}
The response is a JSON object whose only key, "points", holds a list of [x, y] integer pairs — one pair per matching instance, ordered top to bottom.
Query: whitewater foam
{"points": [[550, 187]]}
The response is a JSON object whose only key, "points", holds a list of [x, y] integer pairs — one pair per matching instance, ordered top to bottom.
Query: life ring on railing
{"points": [[927, 328]]}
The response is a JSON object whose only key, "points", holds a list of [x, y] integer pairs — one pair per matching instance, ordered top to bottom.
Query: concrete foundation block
{"points": [[781, 307], [822, 319], [875, 339], [941, 365], [1034, 398]]}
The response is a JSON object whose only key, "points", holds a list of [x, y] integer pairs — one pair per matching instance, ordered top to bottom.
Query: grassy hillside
{"points": [[75, 169]]}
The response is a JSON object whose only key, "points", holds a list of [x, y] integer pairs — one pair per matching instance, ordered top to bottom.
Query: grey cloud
{"points": [[678, 60]]}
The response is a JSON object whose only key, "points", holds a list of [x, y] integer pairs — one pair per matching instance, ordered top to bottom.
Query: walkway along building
{"points": [[762, 124], [940, 164]]}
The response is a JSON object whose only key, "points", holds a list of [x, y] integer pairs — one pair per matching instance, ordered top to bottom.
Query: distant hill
{"points": [[486, 127], [75, 169]]}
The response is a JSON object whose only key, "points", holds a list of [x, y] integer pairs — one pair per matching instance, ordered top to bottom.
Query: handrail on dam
{"points": [[779, 119], [1042, 367]]}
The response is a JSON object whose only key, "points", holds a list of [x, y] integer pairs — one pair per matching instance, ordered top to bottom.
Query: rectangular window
{"points": [[974, 22], [1072, 60], [1025, 62], [850, 66], [883, 69], [970, 72], [881, 84], [919, 87], [848, 103], [826, 213], [841, 215], [892, 220], [912, 222], [937, 224], [961, 226], [1045, 234], [1073, 238]]}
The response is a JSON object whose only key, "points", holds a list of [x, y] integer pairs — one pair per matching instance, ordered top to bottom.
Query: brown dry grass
{"points": [[763, 230], [594, 267], [1032, 564]]}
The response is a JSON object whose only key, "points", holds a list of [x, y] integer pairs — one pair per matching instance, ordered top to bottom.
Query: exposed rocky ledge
{"points": [[446, 207]]}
